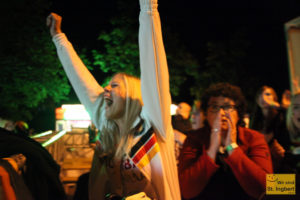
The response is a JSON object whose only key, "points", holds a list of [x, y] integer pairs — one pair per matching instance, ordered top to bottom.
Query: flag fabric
{"points": [[145, 150]]}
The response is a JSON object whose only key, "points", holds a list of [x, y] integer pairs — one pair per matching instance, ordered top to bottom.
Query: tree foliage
{"points": [[119, 49], [121, 53], [226, 61], [31, 74]]}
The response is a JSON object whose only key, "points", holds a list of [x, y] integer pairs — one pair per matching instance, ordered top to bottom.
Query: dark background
{"points": [[198, 22]]}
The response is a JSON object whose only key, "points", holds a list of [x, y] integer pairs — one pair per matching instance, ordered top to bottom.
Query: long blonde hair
{"points": [[293, 130], [114, 142]]}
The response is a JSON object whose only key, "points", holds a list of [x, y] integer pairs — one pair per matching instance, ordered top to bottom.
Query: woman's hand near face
{"points": [[269, 101], [232, 130], [215, 138], [277, 150]]}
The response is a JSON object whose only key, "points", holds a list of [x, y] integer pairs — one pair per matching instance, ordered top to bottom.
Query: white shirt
{"points": [[162, 171]]}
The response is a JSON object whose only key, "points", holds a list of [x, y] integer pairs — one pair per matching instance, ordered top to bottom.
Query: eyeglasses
{"points": [[227, 108]]}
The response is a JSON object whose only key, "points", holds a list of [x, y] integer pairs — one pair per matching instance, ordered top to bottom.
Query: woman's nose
{"points": [[107, 88], [222, 111]]}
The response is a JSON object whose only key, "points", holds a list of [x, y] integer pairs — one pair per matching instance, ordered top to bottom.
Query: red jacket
{"points": [[243, 172]]}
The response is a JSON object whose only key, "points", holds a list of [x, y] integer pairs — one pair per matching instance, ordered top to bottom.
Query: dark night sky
{"points": [[198, 22]]}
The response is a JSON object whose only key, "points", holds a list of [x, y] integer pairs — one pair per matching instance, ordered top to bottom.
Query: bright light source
{"points": [[173, 109], [75, 112], [41, 134], [54, 138]]}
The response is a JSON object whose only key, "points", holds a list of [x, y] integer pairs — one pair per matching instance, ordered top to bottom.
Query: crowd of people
{"points": [[204, 151], [222, 159]]}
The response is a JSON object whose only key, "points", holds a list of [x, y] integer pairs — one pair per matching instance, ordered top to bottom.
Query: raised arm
{"points": [[154, 69], [86, 87]]}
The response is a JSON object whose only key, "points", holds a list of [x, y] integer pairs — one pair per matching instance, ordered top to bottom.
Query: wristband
{"points": [[230, 147]]}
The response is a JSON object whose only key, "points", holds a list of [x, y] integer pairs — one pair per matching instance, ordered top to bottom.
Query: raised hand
{"points": [[53, 21], [268, 101], [231, 132], [215, 137], [277, 150]]}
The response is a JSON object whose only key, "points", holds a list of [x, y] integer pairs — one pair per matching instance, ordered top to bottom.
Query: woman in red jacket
{"points": [[224, 160]]}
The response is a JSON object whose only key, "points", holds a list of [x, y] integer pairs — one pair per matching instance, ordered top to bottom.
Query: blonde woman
{"points": [[293, 120], [135, 154]]}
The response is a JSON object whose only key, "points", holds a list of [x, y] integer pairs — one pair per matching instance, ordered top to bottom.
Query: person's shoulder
{"points": [[177, 117], [4, 131], [195, 133], [250, 135], [197, 136]]}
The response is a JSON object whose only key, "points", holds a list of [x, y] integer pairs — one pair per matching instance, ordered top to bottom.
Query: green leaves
{"points": [[120, 53], [225, 62], [31, 74]]}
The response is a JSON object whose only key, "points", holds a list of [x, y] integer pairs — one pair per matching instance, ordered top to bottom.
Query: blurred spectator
{"points": [[197, 117], [269, 118], [247, 120], [293, 120], [181, 121], [9, 125], [181, 125], [18, 127], [21, 128], [93, 133], [179, 141], [292, 159], [224, 160], [291, 162], [42, 172], [12, 183], [81, 192]]}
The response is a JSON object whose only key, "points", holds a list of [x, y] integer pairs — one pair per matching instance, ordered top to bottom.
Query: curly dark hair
{"points": [[226, 90]]}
